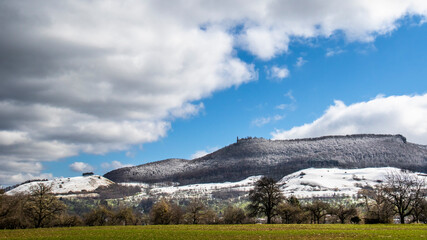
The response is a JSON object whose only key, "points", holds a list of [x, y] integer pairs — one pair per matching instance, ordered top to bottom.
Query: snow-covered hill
{"points": [[277, 158], [330, 182], [307, 183], [66, 185], [205, 189]]}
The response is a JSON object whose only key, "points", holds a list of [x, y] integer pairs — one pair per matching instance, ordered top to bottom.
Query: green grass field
{"points": [[219, 232]]}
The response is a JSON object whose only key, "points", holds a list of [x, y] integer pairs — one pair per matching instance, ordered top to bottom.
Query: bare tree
{"points": [[403, 190], [265, 198], [5, 205], [42, 206], [378, 208], [318, 209], [195, 210], [419, 210], [290, 211], [343, 211], [161, 212], [12, 213], [176, 213], [234, 215], [99, 216], [124, 216], [209, 217], [65, 220]]}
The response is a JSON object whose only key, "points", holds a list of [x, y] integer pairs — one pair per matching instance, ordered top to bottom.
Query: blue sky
{"points": [[392, 65], [173, 85]]}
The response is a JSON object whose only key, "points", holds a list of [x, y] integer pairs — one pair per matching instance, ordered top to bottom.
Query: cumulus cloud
{"points": [[271, 24], [264, 42], [279, 72], [100, 76], [96, 77], [387, 115], [201, 153], [114, 165], [81, 167], [12, 172], [7, 179]]}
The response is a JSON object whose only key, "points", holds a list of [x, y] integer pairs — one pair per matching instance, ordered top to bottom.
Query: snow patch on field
{"points": [[332, 182], [307, 183], [66, 185], [244, 185], [193, 190]]}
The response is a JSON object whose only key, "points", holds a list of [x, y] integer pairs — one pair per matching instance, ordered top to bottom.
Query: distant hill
{"points": [[277, 158], [306, 183], [65, 185]]}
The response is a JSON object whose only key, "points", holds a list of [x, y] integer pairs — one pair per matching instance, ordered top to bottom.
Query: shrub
{"points": [[117, 191], [234, 215]]}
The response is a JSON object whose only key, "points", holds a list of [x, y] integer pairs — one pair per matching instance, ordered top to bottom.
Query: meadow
{"points": [[219, 232]]}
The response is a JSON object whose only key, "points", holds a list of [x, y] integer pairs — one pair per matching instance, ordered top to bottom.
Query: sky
{"points": [[99, 85]]}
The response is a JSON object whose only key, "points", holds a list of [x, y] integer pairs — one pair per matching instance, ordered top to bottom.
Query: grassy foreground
{"points": [[219, 232]]}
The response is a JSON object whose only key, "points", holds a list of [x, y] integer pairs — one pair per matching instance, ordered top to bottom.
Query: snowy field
{"points": [[331, 182], [307, 183], [66, 185]]}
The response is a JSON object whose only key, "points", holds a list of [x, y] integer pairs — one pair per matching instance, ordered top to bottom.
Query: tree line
{"points": [[400, 195]]}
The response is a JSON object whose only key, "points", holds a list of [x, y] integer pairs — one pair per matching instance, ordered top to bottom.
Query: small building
{"points": [[86, 174]]}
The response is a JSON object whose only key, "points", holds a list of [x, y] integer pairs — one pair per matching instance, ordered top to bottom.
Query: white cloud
{"points": [[270, 24], [264, 42], [332, 52], [300, 62], [279, 72], [101, 76], [97, 77], [290, 96], [282, 106], [290, 106], [187, 110], [404, 115], [259, 122], [8, 138], [201, 153], [130, 154], [114, 165], [81, 167], [9, 174], [22, 177]]}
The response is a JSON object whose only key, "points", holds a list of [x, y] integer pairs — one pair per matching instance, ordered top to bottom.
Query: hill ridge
{"points": [[276, 158]]}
